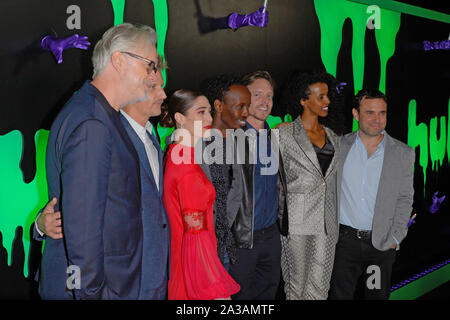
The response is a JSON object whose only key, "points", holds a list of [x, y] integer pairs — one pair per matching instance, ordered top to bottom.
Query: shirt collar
{"points": [[249, 126], [140, 130], [381, 146]]}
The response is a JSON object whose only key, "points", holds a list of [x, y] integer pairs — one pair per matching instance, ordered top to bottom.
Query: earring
{"points": [[181, 126]]}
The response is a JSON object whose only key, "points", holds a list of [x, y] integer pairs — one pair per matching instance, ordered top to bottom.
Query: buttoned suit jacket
{"points": [[93, 171], [311, 196], [393, 204], [156, 227]]}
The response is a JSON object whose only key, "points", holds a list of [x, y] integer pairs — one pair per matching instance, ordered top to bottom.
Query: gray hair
{"points": [[123, 37]]}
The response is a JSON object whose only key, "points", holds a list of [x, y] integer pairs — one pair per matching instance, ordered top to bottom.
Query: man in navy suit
{"points": [[93, 171], [156, 234], [155, 261]]}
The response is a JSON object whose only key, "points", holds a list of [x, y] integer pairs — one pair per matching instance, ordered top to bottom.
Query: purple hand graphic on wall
{"points": [[258, 19], [233, 21], [57, 45], [436, 45], [340, 87], [436, 202]]}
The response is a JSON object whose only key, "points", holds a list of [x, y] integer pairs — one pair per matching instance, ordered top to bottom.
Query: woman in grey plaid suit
{"points": [[309, 150]]}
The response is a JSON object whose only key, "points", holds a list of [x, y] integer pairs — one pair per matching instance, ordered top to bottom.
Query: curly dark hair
{"points": [[297, 87], [215, 88]]}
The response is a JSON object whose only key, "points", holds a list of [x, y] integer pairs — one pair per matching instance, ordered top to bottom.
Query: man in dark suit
{"points": [[93, 172], [156, 231], [156, 234]]}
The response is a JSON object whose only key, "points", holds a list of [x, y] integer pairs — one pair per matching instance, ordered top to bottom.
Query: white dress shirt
{"points": [[150, 149]]}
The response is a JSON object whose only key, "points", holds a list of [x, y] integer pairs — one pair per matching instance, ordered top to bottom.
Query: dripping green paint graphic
{"points": [[432, 140]]}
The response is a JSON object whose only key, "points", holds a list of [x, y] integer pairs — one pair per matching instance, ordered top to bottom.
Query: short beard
{"points": [[137, 99], [367, 133]]}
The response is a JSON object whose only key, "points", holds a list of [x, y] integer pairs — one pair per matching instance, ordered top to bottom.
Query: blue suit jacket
{"points": [[93, 171], [156, 250]]}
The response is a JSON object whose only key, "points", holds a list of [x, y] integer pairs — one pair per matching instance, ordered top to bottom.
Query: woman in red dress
{"points": [[196, 272]]}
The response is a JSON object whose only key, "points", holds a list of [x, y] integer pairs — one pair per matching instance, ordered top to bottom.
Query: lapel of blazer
{"points": [[115, 116], [335, 142], [345, 143], [306, 147], [140, 150], [390, 158], [161, 172]]}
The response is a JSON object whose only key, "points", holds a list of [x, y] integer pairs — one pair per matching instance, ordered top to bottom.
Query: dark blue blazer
{"points": [[93, 171], [156, 251]]}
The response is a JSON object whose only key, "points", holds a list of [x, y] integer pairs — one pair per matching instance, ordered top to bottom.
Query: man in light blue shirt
{"points": [[359, 187], [375, 195]]}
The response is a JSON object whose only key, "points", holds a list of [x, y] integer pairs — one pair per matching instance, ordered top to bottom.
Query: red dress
{"points": [[196, 272]]}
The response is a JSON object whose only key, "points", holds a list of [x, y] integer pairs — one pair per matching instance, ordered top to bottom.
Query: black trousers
{"points": [[356, 258], [257, 270]]}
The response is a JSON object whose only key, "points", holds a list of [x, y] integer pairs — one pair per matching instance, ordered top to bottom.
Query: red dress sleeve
{"points": [[204, 275]]}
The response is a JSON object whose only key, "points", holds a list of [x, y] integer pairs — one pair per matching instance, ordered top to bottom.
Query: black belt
{"points": [[261, 232], [360, 234]]}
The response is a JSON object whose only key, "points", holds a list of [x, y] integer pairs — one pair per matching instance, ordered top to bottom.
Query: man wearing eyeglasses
{"points": [[139, 81], [93, 171]]}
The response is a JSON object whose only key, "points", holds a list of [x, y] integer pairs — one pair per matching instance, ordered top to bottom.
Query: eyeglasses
{"points": [[151, 64]]}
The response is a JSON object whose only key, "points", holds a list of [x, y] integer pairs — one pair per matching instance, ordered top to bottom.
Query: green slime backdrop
{"points": [[332, 15], [418, 137], [19, 201]]}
